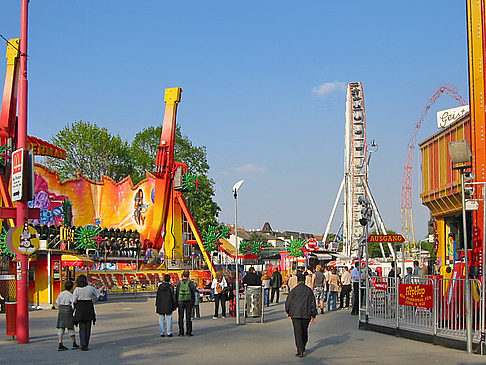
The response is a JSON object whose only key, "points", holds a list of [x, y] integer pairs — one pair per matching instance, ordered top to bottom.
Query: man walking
{"points": [[355, 279], [276, 283], [318, 287], [346, 288], [186, 295], [301, 308]]}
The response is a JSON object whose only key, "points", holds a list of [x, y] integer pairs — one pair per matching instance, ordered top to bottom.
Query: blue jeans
{"points": [[266, 296], [332, 297], [165, 319]]}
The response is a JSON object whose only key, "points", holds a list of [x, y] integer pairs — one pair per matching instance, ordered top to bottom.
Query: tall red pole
{"points": [[23, 280]]}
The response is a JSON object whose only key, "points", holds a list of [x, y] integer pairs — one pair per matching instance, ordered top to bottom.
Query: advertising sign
{"points": [[448, 116], [17, 174], [25, 239], [56, 270], [379, 285], [416, 295]]}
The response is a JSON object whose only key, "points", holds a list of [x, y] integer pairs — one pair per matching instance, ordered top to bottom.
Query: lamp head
{"points": [[460, 152], [237, 186]]}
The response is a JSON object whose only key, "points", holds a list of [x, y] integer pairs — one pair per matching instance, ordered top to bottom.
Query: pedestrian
{"points": [[417, 270], [391, 273], [327, 274], [408, 276], [308, 277], [251, 278], [355, 280], [292, 282], [276, 283], [218, 286], [318, 287], [266, 288], [333, 288], [346, 288], [231, 289], [185, 295], [165, 303], [301, 308], [196, 311], [84, 314], [65, 316]]}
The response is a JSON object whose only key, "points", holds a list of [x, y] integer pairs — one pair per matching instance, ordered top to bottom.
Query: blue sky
{"points": [[251, 74]]}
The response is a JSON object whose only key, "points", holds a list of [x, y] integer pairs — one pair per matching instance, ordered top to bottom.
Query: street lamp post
{"points": [[460, 154], [237, 187]]}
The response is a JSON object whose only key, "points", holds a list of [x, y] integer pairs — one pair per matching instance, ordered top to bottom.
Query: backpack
{"points": [[185, 291]]}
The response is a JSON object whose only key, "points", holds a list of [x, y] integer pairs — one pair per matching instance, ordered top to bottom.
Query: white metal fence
{"points": [[446, 318]]}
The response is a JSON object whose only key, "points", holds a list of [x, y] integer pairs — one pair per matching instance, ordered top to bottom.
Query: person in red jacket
{"points": [[301, 308]]}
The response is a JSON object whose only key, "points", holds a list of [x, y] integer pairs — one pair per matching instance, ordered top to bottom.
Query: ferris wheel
{"points": [[355, 181]]}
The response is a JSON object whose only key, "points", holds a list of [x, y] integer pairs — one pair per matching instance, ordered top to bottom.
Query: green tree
{"points": [[91, 150], [144, 152]]}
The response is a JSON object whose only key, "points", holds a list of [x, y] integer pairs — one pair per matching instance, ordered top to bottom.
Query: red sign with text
{"points": [[385, 238], [380, 285], [416, 295]]}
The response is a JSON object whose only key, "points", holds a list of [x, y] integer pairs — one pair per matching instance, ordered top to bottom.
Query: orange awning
{"points": [[43, 148], [76, 261]]}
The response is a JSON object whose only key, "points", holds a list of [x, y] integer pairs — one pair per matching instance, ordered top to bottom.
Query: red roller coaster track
{"points": [[407, 216]]}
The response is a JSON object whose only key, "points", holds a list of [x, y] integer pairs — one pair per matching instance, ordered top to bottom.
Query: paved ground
{"points": [[127, 333]]}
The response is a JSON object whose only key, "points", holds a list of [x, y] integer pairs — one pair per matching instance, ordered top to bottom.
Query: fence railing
{"points": [[440, 309]]}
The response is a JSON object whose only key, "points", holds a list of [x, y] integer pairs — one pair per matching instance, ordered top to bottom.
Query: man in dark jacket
{"points": [[251, 278], [276, 283], [185, 295], [165, 304], [301, 308]]}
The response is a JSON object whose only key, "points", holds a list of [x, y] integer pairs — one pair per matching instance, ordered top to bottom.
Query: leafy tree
{"points": [[91, 150], [144, 151]]}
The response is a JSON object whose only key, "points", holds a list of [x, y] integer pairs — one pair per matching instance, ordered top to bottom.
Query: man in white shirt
{"points": [[346, 288]]}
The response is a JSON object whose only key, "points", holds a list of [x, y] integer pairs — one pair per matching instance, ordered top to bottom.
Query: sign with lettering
{"points": [[448, 116], [17, 174], [385, 238], [379, 285], [416, 295]]}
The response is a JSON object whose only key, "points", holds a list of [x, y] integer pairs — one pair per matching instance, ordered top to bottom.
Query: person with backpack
{"points": [[186, 295]]}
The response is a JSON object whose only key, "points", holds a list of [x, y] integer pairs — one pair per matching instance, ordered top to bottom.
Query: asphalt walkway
{"points": [[127, 333]]}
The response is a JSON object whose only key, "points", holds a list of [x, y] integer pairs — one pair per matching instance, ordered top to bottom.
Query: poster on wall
{"points": [[56, 270], [416, 295]]}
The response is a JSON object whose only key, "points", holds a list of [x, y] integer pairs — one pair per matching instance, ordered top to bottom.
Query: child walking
{"points": [[64, 303]]}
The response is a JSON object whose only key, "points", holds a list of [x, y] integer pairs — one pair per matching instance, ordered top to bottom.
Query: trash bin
{"points": [[253, 301], [11, 318]]}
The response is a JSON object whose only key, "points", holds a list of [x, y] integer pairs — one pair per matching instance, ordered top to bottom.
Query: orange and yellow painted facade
{"points": [[441, 187]]}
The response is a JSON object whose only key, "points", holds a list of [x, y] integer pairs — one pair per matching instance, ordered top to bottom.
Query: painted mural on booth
{"points": [[108, 204]]}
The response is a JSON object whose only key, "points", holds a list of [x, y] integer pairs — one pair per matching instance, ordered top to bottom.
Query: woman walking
{"points": [[218, 285], [333, 287], [266, 288], [83, 297], [165, 304]]}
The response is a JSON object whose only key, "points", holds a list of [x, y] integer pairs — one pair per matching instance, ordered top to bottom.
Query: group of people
{"points": [[271, 284], [326, 284], [185, 297], [76, 308]]}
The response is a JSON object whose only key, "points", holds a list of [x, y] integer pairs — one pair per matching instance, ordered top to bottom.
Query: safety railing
{"points": [[426, 305]]}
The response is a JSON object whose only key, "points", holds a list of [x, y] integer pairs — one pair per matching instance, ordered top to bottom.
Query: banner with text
{"points": [[416, 295]]}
